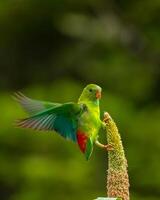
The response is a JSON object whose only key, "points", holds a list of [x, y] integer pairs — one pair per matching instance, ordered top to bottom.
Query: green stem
{"points": [[117, 175]]}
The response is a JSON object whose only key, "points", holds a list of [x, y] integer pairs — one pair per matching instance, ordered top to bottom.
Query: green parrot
{"points": [[79, 122]]}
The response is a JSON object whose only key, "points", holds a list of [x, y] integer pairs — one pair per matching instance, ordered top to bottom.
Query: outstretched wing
{"points": [[32, 106], [63, 119]]}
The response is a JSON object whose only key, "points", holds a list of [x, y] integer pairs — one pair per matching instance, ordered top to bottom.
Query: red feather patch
{"points": [[82, 140]]}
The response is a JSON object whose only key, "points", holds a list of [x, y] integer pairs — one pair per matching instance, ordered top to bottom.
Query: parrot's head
{"points": [[91, 92]]}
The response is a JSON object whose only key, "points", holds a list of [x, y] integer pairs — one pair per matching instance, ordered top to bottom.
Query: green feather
{"points": [[63, 119], [89, 148]]}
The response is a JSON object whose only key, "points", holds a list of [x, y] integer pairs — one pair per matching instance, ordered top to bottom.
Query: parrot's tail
{"points": [[85, 144]]}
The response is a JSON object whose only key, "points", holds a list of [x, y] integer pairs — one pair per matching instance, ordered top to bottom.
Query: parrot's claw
{"points": [[106, 117], [108, 147]]}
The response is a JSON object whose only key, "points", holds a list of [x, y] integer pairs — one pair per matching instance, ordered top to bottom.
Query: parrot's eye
{"points": [[90, 90]]}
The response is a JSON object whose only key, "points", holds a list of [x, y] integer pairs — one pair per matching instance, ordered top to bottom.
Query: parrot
{"points": [[79, 122]]}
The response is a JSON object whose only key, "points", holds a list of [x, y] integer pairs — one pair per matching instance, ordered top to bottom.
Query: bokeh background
{"points": [[50, 50]]}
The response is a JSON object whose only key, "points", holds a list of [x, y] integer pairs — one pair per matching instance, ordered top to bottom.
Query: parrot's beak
{"points": [[98, 94]]}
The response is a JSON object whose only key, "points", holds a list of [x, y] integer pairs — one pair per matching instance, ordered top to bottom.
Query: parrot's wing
{"points": [[32, 106], [63, 119]]}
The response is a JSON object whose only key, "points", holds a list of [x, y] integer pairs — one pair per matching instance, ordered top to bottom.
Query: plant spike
{"points": [[117, 174]]}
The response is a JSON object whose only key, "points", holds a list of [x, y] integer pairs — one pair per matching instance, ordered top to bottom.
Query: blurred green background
{"points": [[50, 50]]}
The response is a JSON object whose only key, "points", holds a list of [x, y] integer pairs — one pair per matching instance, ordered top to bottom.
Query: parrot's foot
{"points": [[106, 117], [107, 147]]}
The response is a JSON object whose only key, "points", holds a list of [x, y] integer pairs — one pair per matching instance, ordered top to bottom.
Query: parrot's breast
{"points": [[89, 123]]}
